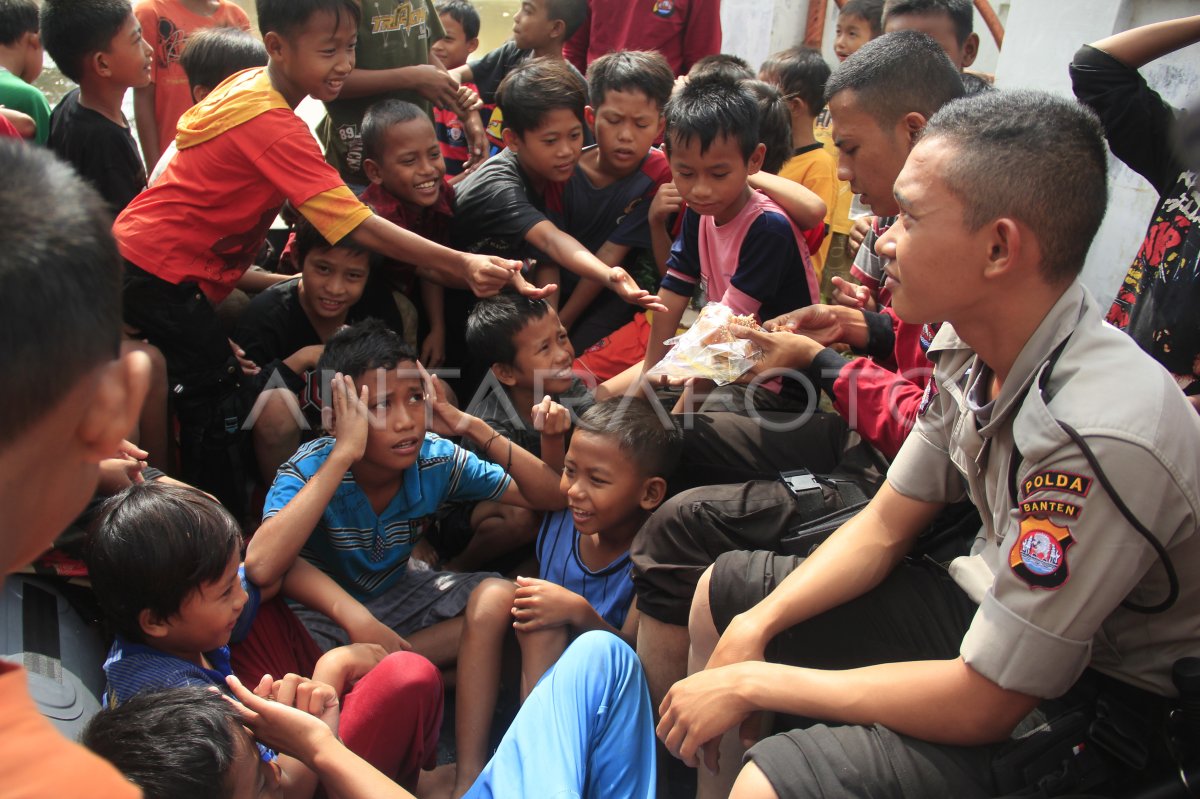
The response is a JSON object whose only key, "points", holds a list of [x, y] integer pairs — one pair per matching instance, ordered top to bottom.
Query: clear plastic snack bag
{"points": [[708, 350]]}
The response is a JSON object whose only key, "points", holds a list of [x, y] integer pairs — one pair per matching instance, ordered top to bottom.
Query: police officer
{"points": [[1083, 459]]}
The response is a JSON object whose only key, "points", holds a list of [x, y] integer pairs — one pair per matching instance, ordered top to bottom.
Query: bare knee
{"points": [[492, 599]]}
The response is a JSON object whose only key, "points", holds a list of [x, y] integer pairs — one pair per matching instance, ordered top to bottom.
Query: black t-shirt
{"points": [[490, 69], [101, 151], [497, 207], [1158, 303]]}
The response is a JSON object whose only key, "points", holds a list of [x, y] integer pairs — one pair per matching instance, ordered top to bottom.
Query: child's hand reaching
{"points": [[627, 289], [852, 295], [550, 418], [350, 419], [122, 470], [540, 603], [343, 666]]}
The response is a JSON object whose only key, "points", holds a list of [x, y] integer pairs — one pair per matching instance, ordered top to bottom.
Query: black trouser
{"points": [[203, 376], [919, 613]]}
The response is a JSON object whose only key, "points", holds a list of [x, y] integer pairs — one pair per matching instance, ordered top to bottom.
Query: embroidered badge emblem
{"points": [[663, 8], [1057, 481], [1039, 556]]}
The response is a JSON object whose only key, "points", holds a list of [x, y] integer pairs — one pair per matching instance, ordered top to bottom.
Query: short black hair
{"points": [[869, 10], [463, 13], [573, 13], [961, 13], [284, 16], [17, 18], [74, 29], [213, 54], [730, 66], [631, 71], [800, 72], [896, 74], [536, 88], [710, 107], [379, 119], [774, 124], [1061, 194], [308, 238], [60, 283], [494, 323], [362, 348], [650, 440], [153, 545], [177, 743]]}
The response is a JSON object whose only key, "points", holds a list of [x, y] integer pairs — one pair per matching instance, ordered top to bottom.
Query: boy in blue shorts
{"points": [[615, 475], [356, 503], [165, 562]]}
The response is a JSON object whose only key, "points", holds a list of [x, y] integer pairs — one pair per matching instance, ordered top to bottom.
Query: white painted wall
{"points": [[754, 29]]}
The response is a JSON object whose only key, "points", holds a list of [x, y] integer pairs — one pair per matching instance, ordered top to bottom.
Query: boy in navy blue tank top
{"points": [[615, 475]]}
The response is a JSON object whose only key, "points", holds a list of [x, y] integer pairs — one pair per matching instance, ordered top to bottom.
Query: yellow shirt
{"points": [[813, 168], [839, 222]]}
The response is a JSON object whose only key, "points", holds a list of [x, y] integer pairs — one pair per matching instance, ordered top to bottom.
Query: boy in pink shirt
{"points": [[735, 243]]}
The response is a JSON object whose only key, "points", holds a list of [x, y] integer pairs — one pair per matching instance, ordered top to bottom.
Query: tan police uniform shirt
{"points": [[1052, 565]]}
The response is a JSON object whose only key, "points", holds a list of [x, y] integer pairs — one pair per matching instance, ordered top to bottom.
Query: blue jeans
{"points": [[585, 730]]}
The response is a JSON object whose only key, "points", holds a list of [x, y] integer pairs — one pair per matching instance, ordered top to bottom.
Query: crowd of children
{"points": [[438, 387]]}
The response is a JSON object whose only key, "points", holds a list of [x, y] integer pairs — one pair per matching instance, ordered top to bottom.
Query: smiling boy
{"points": [[356, 503]]}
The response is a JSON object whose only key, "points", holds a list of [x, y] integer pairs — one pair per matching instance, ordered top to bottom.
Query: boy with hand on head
{"points": [[460, 24], [167, 26], [99, 45], [21, 63], [800, 74], [403, 161], [502, 207], [735, 242], [183, 256], [284, 330], [73, 400], [622, 452], [356, 503], [165, 563]]}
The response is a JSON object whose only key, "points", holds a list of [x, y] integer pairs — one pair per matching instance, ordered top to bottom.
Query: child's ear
{"points": [[558, 30], [274, 44], [472, 45], [970, 50], [98, 61], [199, 93], [799, 108], [589, 117], [512, 140], [755, 161], [371, 170], [505, 373], [121, 386], [654, 490], [152, 626]]}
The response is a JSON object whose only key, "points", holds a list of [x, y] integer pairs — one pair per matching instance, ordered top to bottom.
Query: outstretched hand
{"points": [[627, 289], [852, 295], [821, 323], [781, 351], [550, 418], [282, 725]]}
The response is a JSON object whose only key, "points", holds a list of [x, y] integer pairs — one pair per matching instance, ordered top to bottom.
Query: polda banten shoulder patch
{"points": [[1057, 481], [1042, 507], [1039, 556]]}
